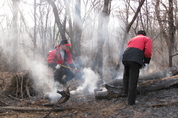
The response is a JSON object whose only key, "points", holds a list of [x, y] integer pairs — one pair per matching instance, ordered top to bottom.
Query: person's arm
{"points": [[147, 50], [50, 59], [70, 59]]}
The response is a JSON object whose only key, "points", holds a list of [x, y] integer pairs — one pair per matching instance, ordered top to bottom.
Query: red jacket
{"points": [[143, 43], [139, 49], [55, 57]]}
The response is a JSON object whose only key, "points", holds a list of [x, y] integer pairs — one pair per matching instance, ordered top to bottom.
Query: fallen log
{"points": [[168, 72], [153, 85], [148, 86], [109, 91], [163, 104], [31, 108]]}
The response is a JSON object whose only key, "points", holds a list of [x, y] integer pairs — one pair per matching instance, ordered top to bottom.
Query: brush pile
{"points": [[21, 86]]}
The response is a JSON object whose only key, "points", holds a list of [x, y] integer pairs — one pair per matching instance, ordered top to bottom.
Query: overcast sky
{"points": [[26, 6]]}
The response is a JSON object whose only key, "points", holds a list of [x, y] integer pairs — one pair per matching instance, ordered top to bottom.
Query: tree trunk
{"points": [[57, 20], [34, 32], [171, 32], [77, 33], [15, 34], [102, 36], [168, 36], [125, 38]]}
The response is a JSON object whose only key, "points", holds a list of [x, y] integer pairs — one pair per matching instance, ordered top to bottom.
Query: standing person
{"points": [[137, 55], [59, 56]]}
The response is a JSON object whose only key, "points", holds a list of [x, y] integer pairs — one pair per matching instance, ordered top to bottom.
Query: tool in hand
{"points": [[65, 67]]}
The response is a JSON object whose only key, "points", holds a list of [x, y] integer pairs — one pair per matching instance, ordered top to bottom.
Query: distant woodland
{"points": [[98, 31]]}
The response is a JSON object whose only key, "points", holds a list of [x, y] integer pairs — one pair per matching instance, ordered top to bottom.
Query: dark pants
{"points": [[59, 73], [130, 79]]}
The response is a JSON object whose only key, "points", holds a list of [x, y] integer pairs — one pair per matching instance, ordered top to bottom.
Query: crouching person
{"points": [[59, 59]]}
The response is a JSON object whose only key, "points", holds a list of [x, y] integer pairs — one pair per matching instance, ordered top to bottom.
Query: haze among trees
{"points": [[98, 31]]}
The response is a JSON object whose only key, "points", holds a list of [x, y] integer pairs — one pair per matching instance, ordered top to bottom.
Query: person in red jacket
{"points": [[61, 55], [136, 56]]}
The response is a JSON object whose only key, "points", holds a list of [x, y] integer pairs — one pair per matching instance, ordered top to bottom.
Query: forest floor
{"points": [[157, 104]]}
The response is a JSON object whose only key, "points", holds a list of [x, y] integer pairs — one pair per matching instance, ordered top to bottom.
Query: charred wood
{"points": [[168, 72], [151, 76], [151, 82], [158, 84], [65, 96], [164, 104], [30, 108]]}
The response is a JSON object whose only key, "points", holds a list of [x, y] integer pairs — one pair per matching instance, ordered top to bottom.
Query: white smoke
{"points": [[44, 82], [90, 82], [53, 96]]}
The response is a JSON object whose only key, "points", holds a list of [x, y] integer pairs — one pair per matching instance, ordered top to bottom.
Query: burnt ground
{"points": [[157, 104]]}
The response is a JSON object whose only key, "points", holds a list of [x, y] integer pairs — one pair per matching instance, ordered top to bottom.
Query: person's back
{"points": [[138, 49], [136, 55]]}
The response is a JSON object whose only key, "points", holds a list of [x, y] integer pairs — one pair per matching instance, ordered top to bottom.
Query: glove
{"points": [[145, 65], [58, 66]]}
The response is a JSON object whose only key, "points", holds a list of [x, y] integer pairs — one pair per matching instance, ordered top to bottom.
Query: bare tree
{"points": [[176, 15], [57, 20], [76, 20], [128, 26], [77, 32], [171, 32], [34, 33], [15, 35], [168, 36], [102, 37]]}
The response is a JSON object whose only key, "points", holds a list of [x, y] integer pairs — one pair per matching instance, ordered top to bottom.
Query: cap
{"points": [[141, 32], [65, 42], [68, 44]]}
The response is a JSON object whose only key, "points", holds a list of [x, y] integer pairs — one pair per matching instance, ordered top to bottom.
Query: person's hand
{"points": [[145, 65], [58, 66], [75, 70]]}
